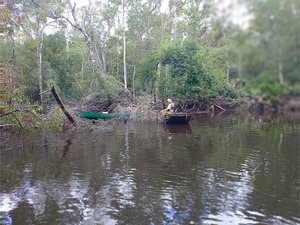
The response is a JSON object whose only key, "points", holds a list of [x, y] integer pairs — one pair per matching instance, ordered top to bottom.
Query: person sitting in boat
{"points": [[169, 109]]}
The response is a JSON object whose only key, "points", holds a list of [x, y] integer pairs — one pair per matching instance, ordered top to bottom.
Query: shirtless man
{"points": [[169, 109]]}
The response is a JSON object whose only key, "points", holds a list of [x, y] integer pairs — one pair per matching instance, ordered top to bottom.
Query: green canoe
{"points": [[95, 115]]}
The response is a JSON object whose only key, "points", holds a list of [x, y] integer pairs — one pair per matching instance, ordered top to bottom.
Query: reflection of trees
{"points": [[265, 166], [137, 174], [277, 175], [23, 214]]}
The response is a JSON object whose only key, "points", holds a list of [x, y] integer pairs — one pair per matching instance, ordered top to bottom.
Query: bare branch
{"points": [[36, 3], [10, 112]]}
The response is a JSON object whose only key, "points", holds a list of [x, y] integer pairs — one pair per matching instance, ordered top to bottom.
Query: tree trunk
{"points": [[80, 28], [124, 48], [226, 54], [299, 54], [13, 56], [39, 58], [124, 61], [103, 63], [280, 63], [240, 66], [158, 72], [133, 77], [62, 106]]}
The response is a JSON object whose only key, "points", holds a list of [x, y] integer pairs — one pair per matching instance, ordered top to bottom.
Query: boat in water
{"points": [[103, 115], [177, 118]]}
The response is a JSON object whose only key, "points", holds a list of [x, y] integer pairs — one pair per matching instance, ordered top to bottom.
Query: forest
{"points": [[181, 49]]}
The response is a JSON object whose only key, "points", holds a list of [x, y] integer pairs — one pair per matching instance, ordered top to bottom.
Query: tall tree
{"points": [[32, 21], [275, 34], [124, 42]]}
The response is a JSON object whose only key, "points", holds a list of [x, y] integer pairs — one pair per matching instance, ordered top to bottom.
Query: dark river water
{"points": [[216, 170]]}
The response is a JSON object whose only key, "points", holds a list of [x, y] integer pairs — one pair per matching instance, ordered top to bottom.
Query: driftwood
{"points": [[61, 105], [219, 107]]}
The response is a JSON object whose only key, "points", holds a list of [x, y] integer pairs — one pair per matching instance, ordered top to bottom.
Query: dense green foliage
{"points": [[269, 50], [183, 51], [189, 78], [26, 117]]}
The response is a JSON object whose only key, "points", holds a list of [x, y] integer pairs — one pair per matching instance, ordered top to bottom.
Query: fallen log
{"points": [[61, 105]]}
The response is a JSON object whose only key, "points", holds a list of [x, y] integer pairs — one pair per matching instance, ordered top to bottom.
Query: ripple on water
{"points": [[219, 174], [228, 218]]}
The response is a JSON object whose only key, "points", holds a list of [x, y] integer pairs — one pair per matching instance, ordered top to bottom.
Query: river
{"points": [[223, 169]]}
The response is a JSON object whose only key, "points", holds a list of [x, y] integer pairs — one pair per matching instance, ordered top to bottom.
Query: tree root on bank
{"points": [[201, 105]]}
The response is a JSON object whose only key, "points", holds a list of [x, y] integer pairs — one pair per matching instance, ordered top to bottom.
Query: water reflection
{"points": [[176, 129], [66, 149], [217, 170]]}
